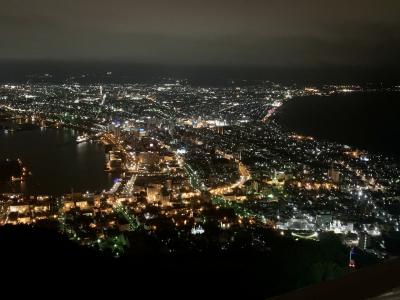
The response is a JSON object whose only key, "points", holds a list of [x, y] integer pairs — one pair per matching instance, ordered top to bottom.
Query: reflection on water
{"points": [[57, 163]]}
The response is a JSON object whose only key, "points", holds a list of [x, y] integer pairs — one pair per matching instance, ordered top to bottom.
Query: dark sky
{"points": [[277, 33]]}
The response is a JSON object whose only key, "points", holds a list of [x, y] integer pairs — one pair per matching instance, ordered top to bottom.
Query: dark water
{"points": [[369, 121], [57, 163]]}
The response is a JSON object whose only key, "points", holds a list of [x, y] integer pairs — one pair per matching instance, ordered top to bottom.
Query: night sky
{"points": [[280, 33]]}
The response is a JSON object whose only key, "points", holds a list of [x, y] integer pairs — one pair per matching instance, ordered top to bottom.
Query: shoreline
{"points": [[302, 114], [34, 182]]}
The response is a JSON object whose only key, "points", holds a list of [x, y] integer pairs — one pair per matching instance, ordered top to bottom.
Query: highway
{"points": [[244, 176]]}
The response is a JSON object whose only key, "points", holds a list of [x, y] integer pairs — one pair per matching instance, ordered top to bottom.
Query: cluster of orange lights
{"points": [[301, 137], [354, 154], [315, 185]]}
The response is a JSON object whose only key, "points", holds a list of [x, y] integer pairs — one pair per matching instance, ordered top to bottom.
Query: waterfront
{"points": [[365, 120], [58, 164], [201, 175]]}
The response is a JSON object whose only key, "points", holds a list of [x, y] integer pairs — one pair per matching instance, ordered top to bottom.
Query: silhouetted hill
{"points": [[41, 256], [363, 284]]}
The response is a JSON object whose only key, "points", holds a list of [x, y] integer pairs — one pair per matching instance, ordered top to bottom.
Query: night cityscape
{"points": [[235, 178]]}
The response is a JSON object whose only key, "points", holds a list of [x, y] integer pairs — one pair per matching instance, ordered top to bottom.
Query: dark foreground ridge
{"points": [[49, 258], [367, 283]]}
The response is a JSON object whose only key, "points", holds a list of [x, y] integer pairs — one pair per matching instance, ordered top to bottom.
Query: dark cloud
{"points": [[267, 33]]}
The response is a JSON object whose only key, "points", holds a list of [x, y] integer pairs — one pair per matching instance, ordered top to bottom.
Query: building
{"points": [[334, 175], [324, 221], [364, 241]]}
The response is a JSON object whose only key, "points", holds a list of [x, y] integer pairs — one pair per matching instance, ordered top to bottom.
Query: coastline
{"points": [[344, 123], [42, 167]]}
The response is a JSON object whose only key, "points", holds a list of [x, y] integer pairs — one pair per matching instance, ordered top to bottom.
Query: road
{"points": [[244, 176]]}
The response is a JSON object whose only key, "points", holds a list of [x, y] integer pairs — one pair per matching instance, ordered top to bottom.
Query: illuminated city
{"points": [[176, 151]]}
